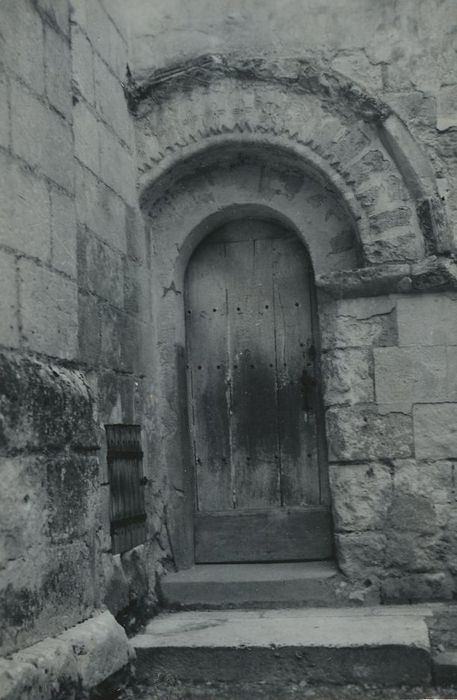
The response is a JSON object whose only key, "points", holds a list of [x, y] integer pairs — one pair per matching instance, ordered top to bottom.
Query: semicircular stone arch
{"points": [[340, 142], [211, 151]]}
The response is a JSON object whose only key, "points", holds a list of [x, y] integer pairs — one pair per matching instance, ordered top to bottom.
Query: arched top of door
{"points": [[218, 134]]}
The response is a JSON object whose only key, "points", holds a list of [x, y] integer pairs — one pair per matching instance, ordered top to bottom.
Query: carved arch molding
{"points": [[285, 131], [220, 138]]}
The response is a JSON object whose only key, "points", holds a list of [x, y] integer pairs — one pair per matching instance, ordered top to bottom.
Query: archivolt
{"points": [[194, 116]]}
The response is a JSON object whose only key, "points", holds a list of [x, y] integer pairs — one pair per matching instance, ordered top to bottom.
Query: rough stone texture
{"points": [[372, 193], [438, 309], [48, 311], [9, 332], [348, 376], [406, 376], [435, 430], [361, 433], [363, 493], [55, 528], [340, 646], [69, 665]]}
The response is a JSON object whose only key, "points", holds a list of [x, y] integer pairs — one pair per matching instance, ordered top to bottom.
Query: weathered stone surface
{"points": [[22, 45], [82, 64], [58, 71], [111, 102], [447, 107], [4, 113], [85, 129], [41, 137], [117, 167], [100, 209], [24, 211], [63, 228], [100, 268], [380, 279], [49, 305], [439, 310], [355, 323], [9, 331], [89, 333], [347, 376], [405, 376], [43, 406], [435, 430], [361, 433], [361, 496], [72, 497], [415, 552], [361, 555], [417, 587], [44, 590], [340, 646], [101, 648], [63, 667], [445, 669]]}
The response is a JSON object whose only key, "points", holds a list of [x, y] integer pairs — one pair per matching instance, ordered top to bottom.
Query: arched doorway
{"points": [[254, 402]]}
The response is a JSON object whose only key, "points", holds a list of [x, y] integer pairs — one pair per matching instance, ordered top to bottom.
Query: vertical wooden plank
{"points": [[206, 326], [295, 373], [254, 429]]}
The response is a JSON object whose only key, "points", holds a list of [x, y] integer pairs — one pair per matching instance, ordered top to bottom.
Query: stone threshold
{"points": [[289, 584], [382, 645]]}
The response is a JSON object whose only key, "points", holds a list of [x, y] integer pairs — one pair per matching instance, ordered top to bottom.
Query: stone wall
{"points": [[361, 93], [74, 319]]}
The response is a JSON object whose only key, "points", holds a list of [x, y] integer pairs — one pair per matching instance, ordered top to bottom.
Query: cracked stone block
{"points": [[357, 322]]}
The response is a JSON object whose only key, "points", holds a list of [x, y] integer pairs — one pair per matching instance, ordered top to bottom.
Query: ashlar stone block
{"points": [[22, 42], [58, 71], [446, 107], [41, 137], [100, 209], [24, 211], [63, 226], [49, 309], [427, 319], [357, 322], [9, 332], [408, 375], [347, 376], [435, 430], [361, 433], [361, 495]]}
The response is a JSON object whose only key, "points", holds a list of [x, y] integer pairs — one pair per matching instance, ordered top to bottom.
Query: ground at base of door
{"points": [[170, 689]]}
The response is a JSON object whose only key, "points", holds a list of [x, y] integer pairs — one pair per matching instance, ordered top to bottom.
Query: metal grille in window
{"points": [[125, 473]]}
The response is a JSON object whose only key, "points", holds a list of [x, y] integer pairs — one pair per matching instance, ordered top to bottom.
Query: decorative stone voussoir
{"points": [[337, 134]]}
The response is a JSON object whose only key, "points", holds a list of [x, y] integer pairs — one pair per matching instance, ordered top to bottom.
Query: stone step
{"points": [[311, 584], [372, 645]]}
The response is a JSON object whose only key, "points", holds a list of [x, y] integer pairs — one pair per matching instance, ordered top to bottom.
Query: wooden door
{"points": [[260, 491]]}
